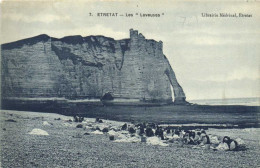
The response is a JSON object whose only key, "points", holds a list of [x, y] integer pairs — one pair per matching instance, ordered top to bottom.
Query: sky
{"points": [[213, 57]]}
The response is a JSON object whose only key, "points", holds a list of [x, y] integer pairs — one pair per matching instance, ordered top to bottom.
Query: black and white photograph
{"points": [[120, 83]]}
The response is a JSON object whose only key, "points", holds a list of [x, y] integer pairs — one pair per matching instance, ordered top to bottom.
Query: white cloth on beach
{"points": [[45, 123], [37, 131], [97, 132], [129, 139], [156, 141], [240, 141], [222, 146]]}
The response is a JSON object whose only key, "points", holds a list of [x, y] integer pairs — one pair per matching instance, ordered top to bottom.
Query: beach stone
{"points": [[57, 119], [10, 120], [100, 121], [79, 126], [4, 129], [105, 130], [86, 133], [77, 136], [111, 137], [143, 139], [34, 164]]}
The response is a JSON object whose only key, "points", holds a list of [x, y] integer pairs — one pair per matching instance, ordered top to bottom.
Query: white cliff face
{"points": [[88, 67]]}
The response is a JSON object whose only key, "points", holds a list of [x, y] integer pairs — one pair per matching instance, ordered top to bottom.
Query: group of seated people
{"points": [[78, 118], [189, 137]]}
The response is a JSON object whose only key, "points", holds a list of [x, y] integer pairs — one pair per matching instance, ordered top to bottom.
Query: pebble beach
{"points": [[31, 139]]}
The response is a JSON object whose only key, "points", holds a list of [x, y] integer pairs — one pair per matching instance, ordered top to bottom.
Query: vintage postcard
{"points": [[130, 83]]}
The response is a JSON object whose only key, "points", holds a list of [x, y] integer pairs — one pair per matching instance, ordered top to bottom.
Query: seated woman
{"points": [[197, 138], [205, 139]]}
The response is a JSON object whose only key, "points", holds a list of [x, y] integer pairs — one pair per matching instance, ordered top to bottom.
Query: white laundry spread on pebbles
{"points": [[45, 123], [67, 124], [114, 129], [37, 131], [97, 132], [112, 132], [175, 136], [128, 139], [214, 139], [156, 141], [240, 141], [222, 146]]}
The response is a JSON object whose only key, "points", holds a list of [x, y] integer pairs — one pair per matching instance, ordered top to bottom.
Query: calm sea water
{"points": [[234, 101]]}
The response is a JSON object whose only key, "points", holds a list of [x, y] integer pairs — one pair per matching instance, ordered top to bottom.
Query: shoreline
{"points": [[230, 115], [202, 117]]}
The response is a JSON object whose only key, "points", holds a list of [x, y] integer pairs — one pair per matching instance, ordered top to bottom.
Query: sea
{"points": [[253, 101]]}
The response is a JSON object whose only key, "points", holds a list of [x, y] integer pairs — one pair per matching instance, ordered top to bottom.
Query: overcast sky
{"points": [[212, 57]]}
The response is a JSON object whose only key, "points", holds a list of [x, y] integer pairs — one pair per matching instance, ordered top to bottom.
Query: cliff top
{"points": [[76, 39]]}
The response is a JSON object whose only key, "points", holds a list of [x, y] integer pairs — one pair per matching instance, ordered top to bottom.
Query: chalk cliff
{"points": [[77, 67]]}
